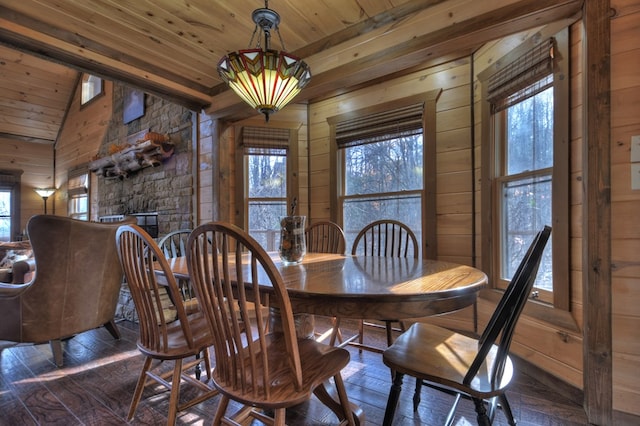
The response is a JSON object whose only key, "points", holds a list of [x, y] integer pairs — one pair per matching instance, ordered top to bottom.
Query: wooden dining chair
{"points": [[325, 237], [384, 238], [174, 245], [161, 337], [262, 368], [478, 368]]}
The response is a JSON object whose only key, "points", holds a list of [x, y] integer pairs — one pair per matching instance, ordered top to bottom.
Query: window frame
{"points": [[100, 89], [74, 193], [429, 247], [557, 312]]}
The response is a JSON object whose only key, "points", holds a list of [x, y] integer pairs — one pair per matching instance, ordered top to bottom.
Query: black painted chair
{"points": [[476, 368]]}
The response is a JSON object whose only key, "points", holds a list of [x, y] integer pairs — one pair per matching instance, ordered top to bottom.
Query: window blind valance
{"points": [[523, 78], [400, 122], [259, 140]]}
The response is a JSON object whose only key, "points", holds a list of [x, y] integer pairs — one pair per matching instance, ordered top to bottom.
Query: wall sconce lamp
{"points": [[266, 79], [45, 193]]}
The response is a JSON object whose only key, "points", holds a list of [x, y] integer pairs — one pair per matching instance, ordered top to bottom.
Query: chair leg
{"points": [[112, 328], [389, 329], [360, 335], [56, 349], [137, 394], [416, 395], [174, 399], [344, 400], [392, 402], [504, 403], [222, 409], [481, 413], [279, 417]]}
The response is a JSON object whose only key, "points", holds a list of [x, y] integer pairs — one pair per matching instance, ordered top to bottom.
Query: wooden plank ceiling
{"points": [[171, 48]]}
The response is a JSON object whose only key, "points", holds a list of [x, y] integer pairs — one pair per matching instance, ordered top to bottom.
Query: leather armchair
{"points": [[75, 287]]}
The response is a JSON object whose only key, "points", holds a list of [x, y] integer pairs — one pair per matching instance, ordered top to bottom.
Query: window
{"points": [[92, 87], [382, 160], [266, 164], [383, 166], [529, 174], [78, 191], [10, 205], [5, 215]]}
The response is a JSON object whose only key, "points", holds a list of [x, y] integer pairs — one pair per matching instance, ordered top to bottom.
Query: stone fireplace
{"points": [[164, 190], [160, 196]]}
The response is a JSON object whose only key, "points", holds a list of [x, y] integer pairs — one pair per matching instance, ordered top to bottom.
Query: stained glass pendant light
{"points": [[266, 79]]}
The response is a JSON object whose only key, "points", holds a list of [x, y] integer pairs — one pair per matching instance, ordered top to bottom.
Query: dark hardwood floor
{"points": [[97, 381]]}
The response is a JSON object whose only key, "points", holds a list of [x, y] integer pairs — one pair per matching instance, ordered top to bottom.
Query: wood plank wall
{"points": [[79, 141], [36, 162], [625, 205]]}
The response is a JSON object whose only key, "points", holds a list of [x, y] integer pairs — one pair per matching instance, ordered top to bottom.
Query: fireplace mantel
{"points": [[127, 159]]}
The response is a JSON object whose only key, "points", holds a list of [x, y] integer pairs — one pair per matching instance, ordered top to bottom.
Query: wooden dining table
{"points": [[368, 287], [372, 287]]}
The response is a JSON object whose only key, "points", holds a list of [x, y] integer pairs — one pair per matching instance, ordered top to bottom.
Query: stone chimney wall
{"points": [[166, 189]]}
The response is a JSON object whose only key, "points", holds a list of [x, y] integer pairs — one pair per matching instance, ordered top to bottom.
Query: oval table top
{"points": [[373, 287]]}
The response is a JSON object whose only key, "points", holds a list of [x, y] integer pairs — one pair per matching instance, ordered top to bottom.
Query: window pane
{"points": [[530, 134], [387, 166], [267, 176], [526, 209], [360, 212], [5, 215], [264, 222]]}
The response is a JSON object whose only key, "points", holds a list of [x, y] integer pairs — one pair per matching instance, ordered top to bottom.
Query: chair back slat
{"points": [[325, 237], [386, 238], [174, 243], [138, 253], [230, 272], [505, 317]]}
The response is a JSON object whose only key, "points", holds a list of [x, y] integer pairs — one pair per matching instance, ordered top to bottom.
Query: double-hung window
{"points": [[266, 165], [382, 169], [529, 183]]}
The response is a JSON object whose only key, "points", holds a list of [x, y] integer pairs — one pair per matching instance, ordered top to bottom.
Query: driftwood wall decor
{"points": [[126, 159]]}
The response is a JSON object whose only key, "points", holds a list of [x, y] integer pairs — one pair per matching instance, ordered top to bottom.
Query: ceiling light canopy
{"points": [[266, 79]]}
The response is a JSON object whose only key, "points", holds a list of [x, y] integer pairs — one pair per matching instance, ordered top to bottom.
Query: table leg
{"points": [[305, 324]]}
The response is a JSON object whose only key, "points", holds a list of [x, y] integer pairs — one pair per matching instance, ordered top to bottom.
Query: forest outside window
{"points": [[529, 116], [382, 160]]}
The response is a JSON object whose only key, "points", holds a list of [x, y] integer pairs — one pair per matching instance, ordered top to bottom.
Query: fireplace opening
{"points": [[146, 221]]}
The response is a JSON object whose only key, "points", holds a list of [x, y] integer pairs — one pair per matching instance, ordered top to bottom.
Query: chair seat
{"points": [[177, 346], [443, 357], [317, 360]]}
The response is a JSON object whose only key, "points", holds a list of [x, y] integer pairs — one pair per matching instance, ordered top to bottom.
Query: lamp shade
{"points": [[265, 79], [45, 192]]}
